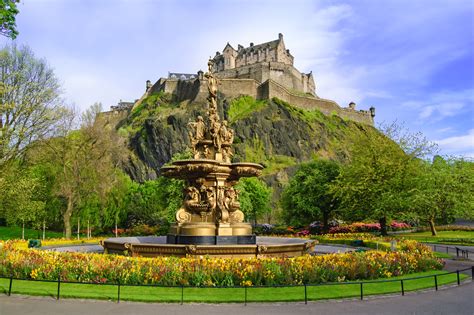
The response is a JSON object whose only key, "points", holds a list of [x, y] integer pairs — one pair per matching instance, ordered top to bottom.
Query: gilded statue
{"points": [[211, 86], [197, 132], [192, 199], [211, 199], [231, 203], [223, 215]]}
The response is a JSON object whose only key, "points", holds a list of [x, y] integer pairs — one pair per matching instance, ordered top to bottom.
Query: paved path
{"points": [[87, 248], [319, 249]]}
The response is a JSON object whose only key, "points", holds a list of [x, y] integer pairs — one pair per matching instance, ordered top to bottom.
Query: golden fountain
{"points": [[211, 212], [210, 221]]}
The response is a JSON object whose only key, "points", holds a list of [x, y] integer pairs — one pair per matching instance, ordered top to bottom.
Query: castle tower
{"points": [[229, 57]]}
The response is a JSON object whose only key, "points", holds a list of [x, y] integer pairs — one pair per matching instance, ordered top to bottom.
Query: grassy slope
{"points": [[448, 237], [216, 295]]}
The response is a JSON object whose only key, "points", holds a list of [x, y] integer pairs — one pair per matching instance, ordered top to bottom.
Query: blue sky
{"points": [[412, 60]]}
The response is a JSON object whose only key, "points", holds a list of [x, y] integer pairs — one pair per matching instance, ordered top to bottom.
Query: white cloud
{"points": [[443, 104], [445, 130], [458, 145]]}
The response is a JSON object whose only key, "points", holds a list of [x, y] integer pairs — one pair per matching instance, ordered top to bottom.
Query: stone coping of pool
{"points": [[152, 246]]}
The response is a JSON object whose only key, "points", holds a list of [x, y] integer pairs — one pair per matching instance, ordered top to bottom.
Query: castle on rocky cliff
{"points": [[262, 71]]}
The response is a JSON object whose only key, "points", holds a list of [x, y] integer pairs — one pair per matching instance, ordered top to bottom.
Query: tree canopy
{"points": [[8, 12], [30, 107], [374, 184], [442, 190], [254, 197], [307, 197]]}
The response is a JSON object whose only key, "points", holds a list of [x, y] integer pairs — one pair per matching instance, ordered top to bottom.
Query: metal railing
{"points": [[453, 250], [245, 288]]}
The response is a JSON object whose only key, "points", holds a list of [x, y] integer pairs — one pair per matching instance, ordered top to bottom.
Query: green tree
{"points": [[8, 12], [30, 106], [85, 161], [374, 184], [443, 189], [254, 197], [307, 197], [21, 201], [154, 202], [116, 209]]}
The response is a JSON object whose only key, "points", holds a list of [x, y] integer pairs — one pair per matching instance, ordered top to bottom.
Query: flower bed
{"points": [[360, 227], [334, 228], [37, 264]]}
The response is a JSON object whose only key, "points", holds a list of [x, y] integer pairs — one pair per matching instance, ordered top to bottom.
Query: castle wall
{"points": [[285, 74], [233, 88], [180, 89], [270, 89], [196, 90], [112, 117]]}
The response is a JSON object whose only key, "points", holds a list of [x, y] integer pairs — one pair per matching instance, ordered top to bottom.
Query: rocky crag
{"points": [[270, 132]]}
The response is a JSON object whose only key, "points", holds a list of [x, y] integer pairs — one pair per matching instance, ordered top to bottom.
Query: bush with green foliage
{"points": [[307, 196], [254, 197]]}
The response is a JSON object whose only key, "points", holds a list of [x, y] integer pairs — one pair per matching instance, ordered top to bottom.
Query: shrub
{"points": [[360, 227], [142, 229]]}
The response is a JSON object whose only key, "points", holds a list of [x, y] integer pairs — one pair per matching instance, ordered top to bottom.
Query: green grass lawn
{"points": [[13, 232], [443, 237], [443, 255], [217, 295]]}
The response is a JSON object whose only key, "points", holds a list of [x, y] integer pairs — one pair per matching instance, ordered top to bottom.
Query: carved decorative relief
{"points": [[183, 216]]}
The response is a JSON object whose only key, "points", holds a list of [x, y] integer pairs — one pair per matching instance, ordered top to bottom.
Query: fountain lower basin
{"points": [[153, 246]]}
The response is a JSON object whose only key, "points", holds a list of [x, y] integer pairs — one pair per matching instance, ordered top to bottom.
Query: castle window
{"points": [[227, 61], [183, 77]]}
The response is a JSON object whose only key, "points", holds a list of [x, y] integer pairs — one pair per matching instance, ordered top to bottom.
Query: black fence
{"points": [[453, 250], [304, 298]]}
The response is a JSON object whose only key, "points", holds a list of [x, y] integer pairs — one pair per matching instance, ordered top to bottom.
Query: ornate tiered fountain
{"points": [[211, 212], [210, 221]]}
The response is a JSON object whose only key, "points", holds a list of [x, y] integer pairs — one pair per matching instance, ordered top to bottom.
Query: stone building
{"points": [[262, 62]]}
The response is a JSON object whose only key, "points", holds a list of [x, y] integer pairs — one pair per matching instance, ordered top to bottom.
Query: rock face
{"points": [[276, 135]]}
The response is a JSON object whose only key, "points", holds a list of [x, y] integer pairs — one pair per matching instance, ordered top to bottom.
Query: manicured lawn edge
{"points": [[230, 295]]}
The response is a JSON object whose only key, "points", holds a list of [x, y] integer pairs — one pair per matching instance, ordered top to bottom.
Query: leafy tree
{"points": [[8, 12], [29, 101], [85, 161], [374, 184], [443, 189], [254, 197], [307, 197], [21, 201], [154, 202], [116, 208]]}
